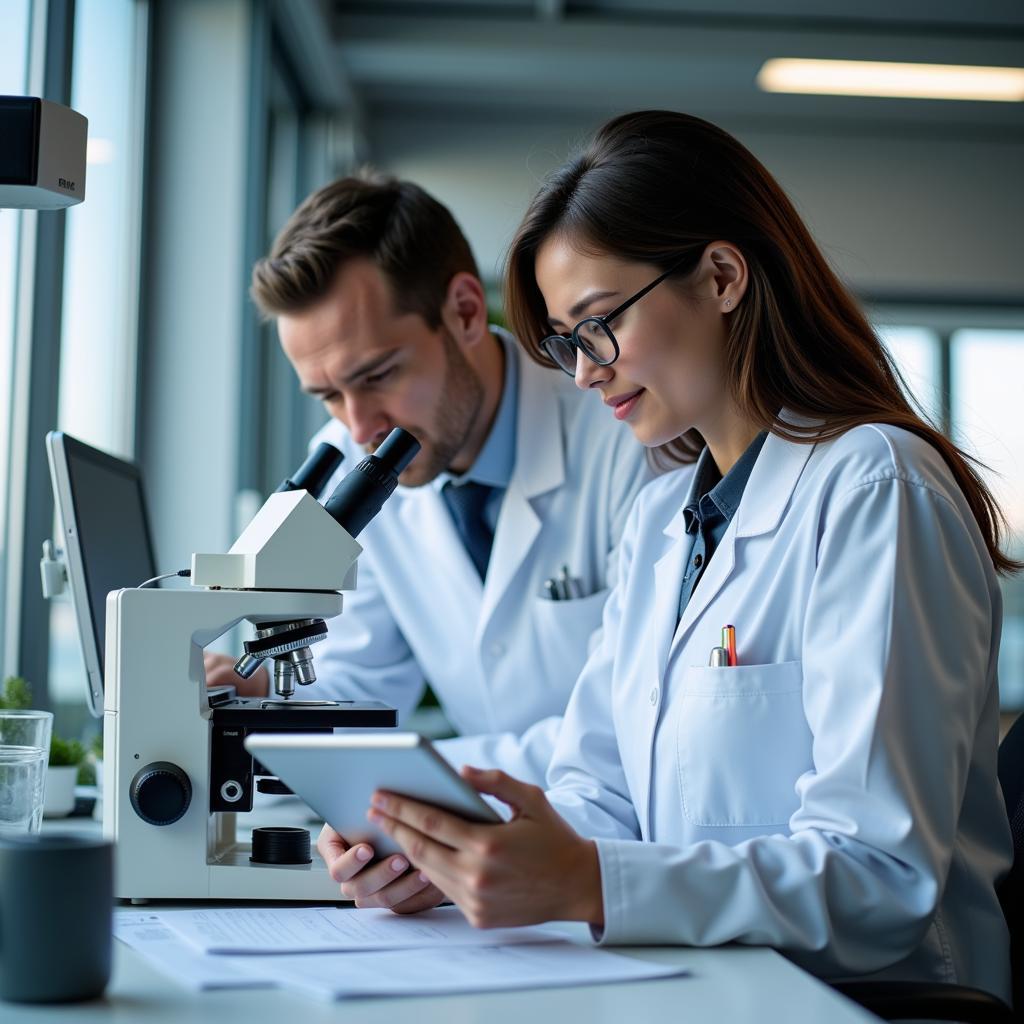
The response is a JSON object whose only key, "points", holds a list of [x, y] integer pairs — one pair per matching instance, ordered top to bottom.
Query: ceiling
{"points": [[537, 59]]}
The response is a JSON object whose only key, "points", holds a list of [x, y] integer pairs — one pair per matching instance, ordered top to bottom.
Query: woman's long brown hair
{"points": [[655, 186]]}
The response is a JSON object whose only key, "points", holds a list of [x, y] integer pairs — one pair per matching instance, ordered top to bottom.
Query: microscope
{"points": [[176, 772]]}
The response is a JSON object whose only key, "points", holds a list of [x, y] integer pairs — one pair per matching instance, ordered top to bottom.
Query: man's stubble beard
{"points": [[459, 405]]}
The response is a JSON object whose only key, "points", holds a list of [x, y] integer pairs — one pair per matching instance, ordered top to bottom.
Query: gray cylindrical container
{"points": [[56, 912]]}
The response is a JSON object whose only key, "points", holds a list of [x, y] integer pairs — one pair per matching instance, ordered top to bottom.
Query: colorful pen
{"points": [[729, 643]]}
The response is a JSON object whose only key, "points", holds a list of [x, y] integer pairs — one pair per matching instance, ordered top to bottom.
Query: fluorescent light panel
{"points": [[888, 78]]}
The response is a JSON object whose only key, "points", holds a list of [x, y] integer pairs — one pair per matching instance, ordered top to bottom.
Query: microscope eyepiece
{"points": [[397, 450], [314, 473], [360, 495]]}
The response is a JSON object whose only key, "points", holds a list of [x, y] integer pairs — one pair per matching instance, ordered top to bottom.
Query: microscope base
{"points": [[227, 883]]}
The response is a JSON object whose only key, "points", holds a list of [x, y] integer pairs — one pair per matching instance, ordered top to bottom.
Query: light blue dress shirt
{"points": [[493, 466]]}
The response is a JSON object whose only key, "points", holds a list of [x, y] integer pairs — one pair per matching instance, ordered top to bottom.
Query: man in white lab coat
{"points": [[485, 573]]}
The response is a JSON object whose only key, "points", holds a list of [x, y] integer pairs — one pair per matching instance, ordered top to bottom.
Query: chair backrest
{"points": [[1011, 892]]}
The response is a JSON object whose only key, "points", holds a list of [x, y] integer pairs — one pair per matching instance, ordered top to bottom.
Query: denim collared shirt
{"points": [[709, 516]]}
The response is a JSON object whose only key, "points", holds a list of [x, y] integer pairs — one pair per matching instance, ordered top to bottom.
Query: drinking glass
{"points": [[24, 752]]}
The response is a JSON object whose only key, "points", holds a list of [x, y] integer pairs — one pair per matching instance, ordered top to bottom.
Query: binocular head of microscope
{"points": [[356, 500]]}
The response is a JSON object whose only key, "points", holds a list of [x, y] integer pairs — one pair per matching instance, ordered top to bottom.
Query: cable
{"points": [[166, 576]]}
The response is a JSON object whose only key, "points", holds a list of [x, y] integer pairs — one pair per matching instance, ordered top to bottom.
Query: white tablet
{"points": [[337, 773]]}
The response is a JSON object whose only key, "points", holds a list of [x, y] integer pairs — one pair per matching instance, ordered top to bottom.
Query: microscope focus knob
{"points": [[160, 793]]}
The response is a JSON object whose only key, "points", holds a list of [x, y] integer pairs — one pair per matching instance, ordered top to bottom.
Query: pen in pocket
{"points": [[568, 584], [563, 587], [729, 643], [725, 656]]}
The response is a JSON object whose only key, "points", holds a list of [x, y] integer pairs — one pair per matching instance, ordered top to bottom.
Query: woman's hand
{"points": [[531, 869], [389, 883]]}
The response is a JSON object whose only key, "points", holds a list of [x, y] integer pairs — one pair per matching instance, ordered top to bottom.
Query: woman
{"points": [[833, 793]]}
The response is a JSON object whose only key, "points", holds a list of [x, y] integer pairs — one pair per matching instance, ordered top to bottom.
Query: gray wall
{"points": [[896, 214]]}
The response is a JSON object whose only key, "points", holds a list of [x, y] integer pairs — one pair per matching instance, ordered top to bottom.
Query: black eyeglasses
{"points": [[592, 336]]}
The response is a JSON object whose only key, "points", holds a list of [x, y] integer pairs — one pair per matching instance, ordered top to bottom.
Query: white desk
{"points": [[729, 984]]}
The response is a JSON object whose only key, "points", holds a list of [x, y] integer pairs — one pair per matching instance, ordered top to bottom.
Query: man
{"points": [[518, 495]]}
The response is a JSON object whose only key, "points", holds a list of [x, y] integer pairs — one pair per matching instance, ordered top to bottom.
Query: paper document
{"points": [[337, 929], [149, 936], [447, 971], [395, 972]]}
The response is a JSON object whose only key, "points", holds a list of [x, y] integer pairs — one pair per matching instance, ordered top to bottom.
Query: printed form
{"points": [[336, 929], [372, 953]]}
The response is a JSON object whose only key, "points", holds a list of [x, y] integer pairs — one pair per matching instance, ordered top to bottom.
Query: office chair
{"points": [[909, 1000]]}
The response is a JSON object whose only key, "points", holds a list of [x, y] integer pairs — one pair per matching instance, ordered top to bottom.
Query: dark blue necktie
{"points": [[466, 504]]}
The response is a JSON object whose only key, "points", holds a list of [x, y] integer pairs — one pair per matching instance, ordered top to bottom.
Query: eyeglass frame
{"points": [[574, 339]]}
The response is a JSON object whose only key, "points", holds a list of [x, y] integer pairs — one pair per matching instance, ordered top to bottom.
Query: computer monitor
{"points": [[106, 539]]}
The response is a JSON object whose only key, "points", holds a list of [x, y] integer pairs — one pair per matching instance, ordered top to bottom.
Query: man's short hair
{"points": [[408, 234]]}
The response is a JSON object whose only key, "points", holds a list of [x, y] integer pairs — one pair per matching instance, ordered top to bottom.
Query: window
{"points": [[14, 43], [98, 339], [916, 353], [987, 370], [980, 407], [275, 430], [284, 434]]}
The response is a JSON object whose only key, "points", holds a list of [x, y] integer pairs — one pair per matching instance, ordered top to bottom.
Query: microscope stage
{"points": [[253, 712]]}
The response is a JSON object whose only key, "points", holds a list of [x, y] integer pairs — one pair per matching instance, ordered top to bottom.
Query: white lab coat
{"points": [[501, 657], [834, 796]]}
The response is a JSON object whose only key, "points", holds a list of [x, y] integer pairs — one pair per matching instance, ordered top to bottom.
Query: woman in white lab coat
{"points": [[832, 791]]}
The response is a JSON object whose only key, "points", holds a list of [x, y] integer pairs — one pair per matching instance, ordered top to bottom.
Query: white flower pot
{"points": [[60, 790]]}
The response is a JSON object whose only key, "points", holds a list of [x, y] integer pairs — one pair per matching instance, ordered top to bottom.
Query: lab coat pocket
{"points": [[564, 629], [742, 743]]}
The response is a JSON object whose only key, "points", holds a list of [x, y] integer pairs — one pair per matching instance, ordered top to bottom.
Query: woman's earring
{"points": [[728, 303]]}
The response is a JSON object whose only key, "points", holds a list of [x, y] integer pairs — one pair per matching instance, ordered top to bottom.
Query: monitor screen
{"points": [[106, 538]]}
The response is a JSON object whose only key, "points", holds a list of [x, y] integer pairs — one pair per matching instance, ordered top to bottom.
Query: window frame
{"points": [[38, 311], [39, 314], [945, 317], [260, 418]]}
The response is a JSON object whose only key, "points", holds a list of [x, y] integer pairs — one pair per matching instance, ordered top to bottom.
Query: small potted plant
{"points": [[16, 694], [61, 776]]}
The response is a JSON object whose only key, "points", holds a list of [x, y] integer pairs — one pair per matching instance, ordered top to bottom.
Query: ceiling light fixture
{"points": [[888, 78]]}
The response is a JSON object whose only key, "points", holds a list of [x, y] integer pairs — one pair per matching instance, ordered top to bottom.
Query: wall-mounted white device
{"points": [[42, 159]]}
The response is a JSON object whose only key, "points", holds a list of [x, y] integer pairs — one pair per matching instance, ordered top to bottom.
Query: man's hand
{"points": [[220, 671], [531, 869], [389, 883]]}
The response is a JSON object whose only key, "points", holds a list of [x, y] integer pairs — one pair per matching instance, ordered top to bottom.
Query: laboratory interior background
{"points": [[126, 320]]}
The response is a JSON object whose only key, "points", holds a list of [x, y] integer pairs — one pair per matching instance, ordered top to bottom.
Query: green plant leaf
{"points": [[16, 695], [65, 752]]}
